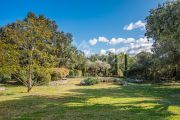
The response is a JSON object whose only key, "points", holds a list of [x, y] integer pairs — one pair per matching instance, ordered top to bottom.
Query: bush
{"points": [[60, 72], [71, 73], [77, 73], [120, 73], [42, 76], [55, 76], [5, 77], [106, 79], [89, 81]]}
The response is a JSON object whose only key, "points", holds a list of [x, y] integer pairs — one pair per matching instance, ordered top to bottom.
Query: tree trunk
{"points": [[29, 80], [29, 86]]}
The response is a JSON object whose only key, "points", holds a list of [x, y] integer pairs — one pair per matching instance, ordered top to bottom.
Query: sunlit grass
{"points": [[99, 102]]}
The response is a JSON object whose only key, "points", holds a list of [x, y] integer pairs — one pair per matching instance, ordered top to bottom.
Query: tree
{"points": [[163, 26], [31, 38], [8, 61], [125, 64], [116, 65], [143, 67], [97, 68]]}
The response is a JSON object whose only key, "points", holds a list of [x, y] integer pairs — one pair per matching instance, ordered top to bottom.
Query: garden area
{"points": [[44, 75]]}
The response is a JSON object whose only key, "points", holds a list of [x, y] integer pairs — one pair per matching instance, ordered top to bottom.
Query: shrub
{"points": [[60, 72], [71, 73], [77, 73], [120, 73], [42, 76], [55, 76], [5, 77], [106, 79], [89, 81]]}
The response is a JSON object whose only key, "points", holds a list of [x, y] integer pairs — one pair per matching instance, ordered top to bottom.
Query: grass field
{"points": [[99, 102]]}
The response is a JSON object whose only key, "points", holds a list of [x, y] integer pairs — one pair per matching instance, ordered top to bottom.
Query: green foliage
{"points": [[163, 22], [163, 26], [30, 39], [34, 43], [68, 55], [115, 62], [164, 63], [125, 64], [116, 65], [97, 68], [142, 68], [59, 73], [71, 73], [75, 73], [120, 73], [20, 76], [42, 76], [55, 76], [5, 78], [89, 81]]}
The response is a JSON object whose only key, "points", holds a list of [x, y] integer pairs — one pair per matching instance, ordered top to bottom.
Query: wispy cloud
{"points": [[138, 24]]}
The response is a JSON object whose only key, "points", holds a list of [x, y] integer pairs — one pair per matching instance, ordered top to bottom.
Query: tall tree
{"points": [[163, 25], [32, 38], [125, 64], [116, 65]]}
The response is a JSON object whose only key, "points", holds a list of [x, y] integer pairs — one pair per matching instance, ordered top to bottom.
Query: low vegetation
{"points": [[89, 81]]}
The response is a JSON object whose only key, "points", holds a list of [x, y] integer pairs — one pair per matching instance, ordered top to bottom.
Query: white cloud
{"points": [[138, 24], [99, 39], [103, 39], [129, 40], [93, 41], [114, 41], [142, 44], [132, 46], [111, 50], [122, 50], [102, 52]]}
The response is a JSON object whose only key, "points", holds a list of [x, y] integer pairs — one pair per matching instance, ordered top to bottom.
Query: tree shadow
{"points": [[85, 106]]}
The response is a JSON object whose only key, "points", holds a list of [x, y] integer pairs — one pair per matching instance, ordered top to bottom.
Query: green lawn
{"points": [[99, 102]]}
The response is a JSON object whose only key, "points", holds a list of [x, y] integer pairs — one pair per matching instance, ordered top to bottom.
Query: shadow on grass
{"points": [[79, 107]]}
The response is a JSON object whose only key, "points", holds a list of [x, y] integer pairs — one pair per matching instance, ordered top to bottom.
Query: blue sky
{"points": [[98, 26]]}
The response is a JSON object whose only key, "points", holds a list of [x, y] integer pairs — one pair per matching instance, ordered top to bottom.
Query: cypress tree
{"points": [[125, 64], [116, 65]]}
